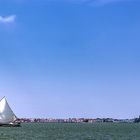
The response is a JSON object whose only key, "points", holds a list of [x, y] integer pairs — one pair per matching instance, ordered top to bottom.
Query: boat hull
{"points": [[11, 125]]}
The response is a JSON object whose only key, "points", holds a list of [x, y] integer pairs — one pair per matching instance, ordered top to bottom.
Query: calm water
{"points": [[66, 131]]}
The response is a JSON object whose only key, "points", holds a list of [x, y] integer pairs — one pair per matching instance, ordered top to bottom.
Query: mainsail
{"points": [[6, 114]]}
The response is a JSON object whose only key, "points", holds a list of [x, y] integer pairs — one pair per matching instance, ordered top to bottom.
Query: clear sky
{"points": [[66, 58]]}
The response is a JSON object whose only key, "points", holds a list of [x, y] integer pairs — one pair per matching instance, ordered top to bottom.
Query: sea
{"points": [[72, 131]]}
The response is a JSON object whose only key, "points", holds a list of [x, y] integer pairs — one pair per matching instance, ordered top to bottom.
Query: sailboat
{"points": [[7, 116]]}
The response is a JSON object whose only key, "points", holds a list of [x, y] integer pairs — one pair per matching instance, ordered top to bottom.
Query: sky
{"points": [[66, 58]]}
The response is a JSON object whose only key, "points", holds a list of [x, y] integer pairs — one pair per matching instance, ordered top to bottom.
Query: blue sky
{"points": [[69, 58]]}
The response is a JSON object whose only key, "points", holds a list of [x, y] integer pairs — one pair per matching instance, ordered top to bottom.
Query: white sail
{"points": [[6, 114]]}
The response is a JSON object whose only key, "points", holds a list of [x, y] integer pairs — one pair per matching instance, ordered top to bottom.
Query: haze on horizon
{"points": [[66, 59]]}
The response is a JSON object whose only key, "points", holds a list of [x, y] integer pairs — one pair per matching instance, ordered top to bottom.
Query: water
{"points": [[71, 131]]}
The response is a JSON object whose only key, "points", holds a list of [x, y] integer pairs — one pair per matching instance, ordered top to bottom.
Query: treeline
{"points": [[137, 120]]}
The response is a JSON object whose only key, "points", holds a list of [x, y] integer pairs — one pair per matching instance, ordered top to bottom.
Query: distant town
{"points": [[79, 120]]}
